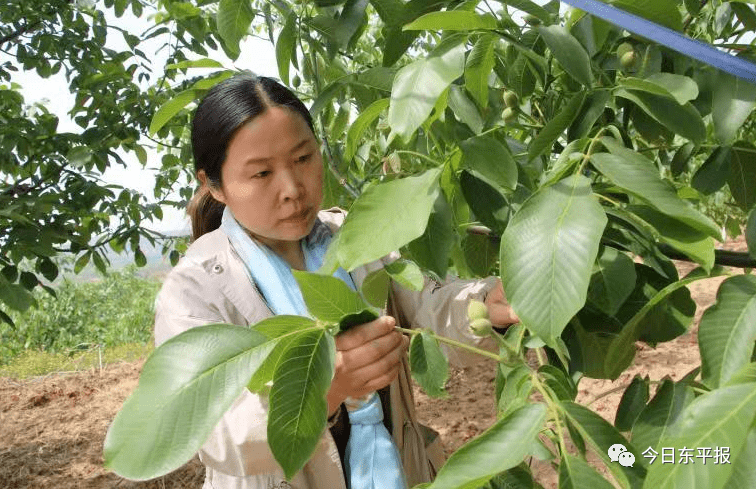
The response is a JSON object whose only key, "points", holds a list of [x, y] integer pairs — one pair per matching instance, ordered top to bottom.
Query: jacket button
{"points": [[217, 268]]}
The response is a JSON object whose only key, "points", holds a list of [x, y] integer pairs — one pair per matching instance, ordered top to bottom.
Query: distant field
{"points": [[94, 315]]}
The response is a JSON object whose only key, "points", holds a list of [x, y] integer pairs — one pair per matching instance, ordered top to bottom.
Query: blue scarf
{"points": [[372, 460]]}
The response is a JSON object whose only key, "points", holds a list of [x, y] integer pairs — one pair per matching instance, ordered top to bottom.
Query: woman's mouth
{"points": [[299, 216]]}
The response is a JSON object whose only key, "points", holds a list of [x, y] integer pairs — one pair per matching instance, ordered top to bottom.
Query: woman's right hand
{"points": [[368, 358]]}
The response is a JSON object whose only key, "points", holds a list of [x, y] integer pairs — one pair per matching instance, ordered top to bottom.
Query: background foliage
{"points": [[581, 148]]}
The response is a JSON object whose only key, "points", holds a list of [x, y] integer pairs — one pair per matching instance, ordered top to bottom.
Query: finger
{"points": [[359, 335], [372, 351], [379, 367], [378, 383]]}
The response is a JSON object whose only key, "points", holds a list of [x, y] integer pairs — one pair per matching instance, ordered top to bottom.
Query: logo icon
{"points": [[618, 453]]}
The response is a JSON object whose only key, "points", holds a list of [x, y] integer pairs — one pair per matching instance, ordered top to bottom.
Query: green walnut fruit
{"points": [[532, 20], [623, 48], [627, 60], [296, 81], [511, 99], [509, 115], [477, 310], [481, 327]]}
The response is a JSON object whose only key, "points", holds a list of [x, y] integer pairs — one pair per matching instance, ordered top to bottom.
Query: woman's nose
{"points": [[291, 185]]}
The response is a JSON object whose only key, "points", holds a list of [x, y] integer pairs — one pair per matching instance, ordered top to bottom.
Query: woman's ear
{"points": [[216, 192]]}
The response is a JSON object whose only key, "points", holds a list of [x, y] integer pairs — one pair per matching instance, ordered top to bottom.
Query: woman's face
{"points": [[272, 178]]}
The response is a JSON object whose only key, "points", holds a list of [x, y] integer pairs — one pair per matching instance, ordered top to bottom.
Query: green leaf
{"points": [[532, 8], [664, 12], [351, 18], [233, 20], [452, 20], [285, 46], [568, 52], [194, 63], [478, 68], [520, 77], [418, 86], [682, 88], [734, 100], [170, 109], [465, 109], [591, 110], [681, 119], [360, 124], [555, 127], [79, 156], [488, 159], [680, 160], [713, 173], [638, 175], [742, 177], [488, 203], [377, 208], [750, 233], [696, 244], [432, 249], [481, 253], [547, 254], [139, 258], [82, 262], [48, 269], [407, 274], [613, 280], [375, 288], [15, 296], [328, 298], [668, 318], [351, 320], [281, 328], [727, 331], [622, 351], [429, 366], [559, 382], [633, 402], [298, 408], [660, 414], [167, 418], [720, 418], [601, 435], [501, 447], [575, 473], [743, 476]]}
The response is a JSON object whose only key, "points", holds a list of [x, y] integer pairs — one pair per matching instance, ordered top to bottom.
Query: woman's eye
{"points": [[304, 158], [261, 174]]}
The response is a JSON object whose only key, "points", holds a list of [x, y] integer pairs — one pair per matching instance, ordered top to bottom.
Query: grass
{"points": [[88, 323], [33, 363]]}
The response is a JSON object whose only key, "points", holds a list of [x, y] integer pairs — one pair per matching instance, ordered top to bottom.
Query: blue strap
{"points": [[669, 38], [372, 460]]}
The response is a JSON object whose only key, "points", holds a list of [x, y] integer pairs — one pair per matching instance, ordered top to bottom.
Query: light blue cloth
{"points": [[372, 460]]}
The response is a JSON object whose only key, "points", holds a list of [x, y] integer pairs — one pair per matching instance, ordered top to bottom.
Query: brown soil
{"points": [[52, 428]]}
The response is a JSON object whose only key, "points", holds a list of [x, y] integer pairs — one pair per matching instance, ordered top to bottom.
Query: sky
{"points": [[258, 55]]}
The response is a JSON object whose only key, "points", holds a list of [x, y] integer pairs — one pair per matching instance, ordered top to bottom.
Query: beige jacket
{"points": [[210, 285]]}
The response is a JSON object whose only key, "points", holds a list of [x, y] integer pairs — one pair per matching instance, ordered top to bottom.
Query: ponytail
{"points": [[205, 213]]}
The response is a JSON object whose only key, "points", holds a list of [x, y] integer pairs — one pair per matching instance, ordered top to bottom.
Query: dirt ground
{"points": [[52, 428]]}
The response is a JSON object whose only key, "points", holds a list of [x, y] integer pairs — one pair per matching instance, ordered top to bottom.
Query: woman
{"points": [[260, 169]]}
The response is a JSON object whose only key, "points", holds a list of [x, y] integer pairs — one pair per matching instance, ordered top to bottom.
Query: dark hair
{"points": [[226, 107]]}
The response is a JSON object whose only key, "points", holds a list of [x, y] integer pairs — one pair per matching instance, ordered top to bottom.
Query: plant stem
{"points": [[588, 153], [419, 155], [451, 342]]}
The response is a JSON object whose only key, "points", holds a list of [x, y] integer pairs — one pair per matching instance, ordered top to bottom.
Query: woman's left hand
{"points": [[500, 313]]}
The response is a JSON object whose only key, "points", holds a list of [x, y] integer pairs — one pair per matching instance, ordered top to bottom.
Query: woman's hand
{"points": [[500, 312], [368, 358]]}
